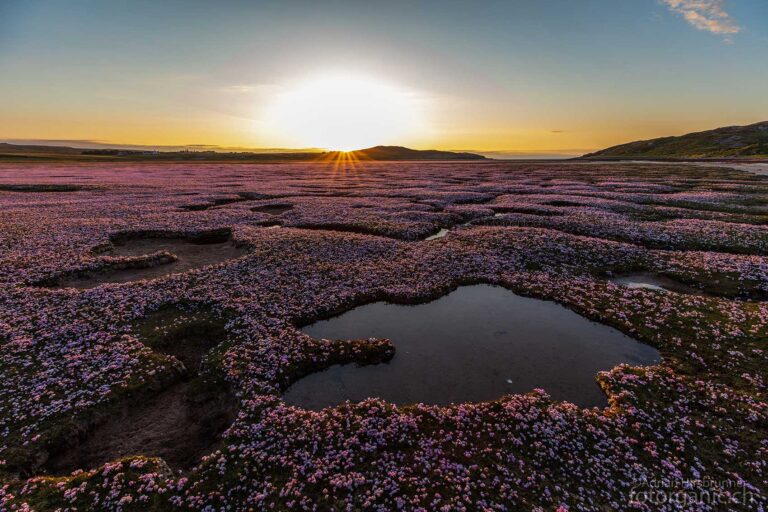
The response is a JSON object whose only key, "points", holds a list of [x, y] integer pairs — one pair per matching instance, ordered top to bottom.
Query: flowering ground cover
{"points": [[313, 241]]}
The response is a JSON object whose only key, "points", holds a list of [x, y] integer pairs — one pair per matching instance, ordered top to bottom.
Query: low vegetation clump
{"points": [[94, 378]]}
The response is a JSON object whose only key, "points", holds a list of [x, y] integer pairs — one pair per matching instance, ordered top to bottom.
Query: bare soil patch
{"points": [[174, 256], [179, 423]]}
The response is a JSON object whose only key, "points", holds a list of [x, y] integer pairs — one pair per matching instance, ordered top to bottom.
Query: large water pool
{"points": [[477, 343]]}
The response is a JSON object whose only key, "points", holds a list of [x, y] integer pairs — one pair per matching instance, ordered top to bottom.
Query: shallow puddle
{"points": [[439, 234], [190, 255], [649, 281], [474, 344], [179, 423]]}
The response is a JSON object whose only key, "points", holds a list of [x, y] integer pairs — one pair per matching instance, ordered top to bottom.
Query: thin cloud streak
{"points": [[709, 15]]}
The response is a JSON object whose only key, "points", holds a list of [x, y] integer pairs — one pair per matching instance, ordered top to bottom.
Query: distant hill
{"points": [[730, 142], [20, 152], [402, 153]]}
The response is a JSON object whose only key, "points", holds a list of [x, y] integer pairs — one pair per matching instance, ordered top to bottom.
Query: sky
{"points": [[516, 76]]}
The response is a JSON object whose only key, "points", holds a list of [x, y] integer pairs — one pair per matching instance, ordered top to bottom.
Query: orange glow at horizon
{"points": [[341, 163]]}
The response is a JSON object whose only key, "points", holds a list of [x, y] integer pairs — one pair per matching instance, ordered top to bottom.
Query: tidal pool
{"points": [[439, 234], [651, 281], [474, 344]]}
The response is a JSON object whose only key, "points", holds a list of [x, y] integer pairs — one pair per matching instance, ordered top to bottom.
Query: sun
{"points": [[343, 113]]}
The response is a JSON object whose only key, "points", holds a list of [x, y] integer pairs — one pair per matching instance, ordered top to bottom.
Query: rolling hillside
{"points": [[749, 141]]}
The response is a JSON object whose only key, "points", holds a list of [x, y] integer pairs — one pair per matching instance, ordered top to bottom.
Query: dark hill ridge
{"points": [[749, 141], [16, 152], [403, 153]]}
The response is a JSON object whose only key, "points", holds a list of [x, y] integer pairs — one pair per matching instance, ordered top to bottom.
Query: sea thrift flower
{"points": [[553, 232]]}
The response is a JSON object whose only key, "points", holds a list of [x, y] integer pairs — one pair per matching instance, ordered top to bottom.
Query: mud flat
{"points": [[182, 255], [474, 344], [178, 423]]}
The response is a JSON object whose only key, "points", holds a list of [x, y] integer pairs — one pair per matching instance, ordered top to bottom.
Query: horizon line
{"points": [[97, 144]]}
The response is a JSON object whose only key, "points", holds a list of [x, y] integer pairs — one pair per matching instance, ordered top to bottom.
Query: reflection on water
{"points": [[439, 234], [650, 281], [477, 343]]}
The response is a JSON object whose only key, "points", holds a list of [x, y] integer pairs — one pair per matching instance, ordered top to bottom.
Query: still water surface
{"points": [[474, 344]]}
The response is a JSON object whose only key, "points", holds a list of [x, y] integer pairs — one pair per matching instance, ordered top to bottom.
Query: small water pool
{"points": [[439, 234], [650, 281], [474, 344]]}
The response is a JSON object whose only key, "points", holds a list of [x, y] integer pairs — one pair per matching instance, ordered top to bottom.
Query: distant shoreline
{"points": [[26, 153]]}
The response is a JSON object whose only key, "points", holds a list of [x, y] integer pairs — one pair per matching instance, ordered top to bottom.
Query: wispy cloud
{"points": [[709, 15], [240, 88], [248, 88]]}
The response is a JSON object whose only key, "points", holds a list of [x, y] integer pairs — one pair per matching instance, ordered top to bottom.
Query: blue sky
{"points": [[514, 75]]}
